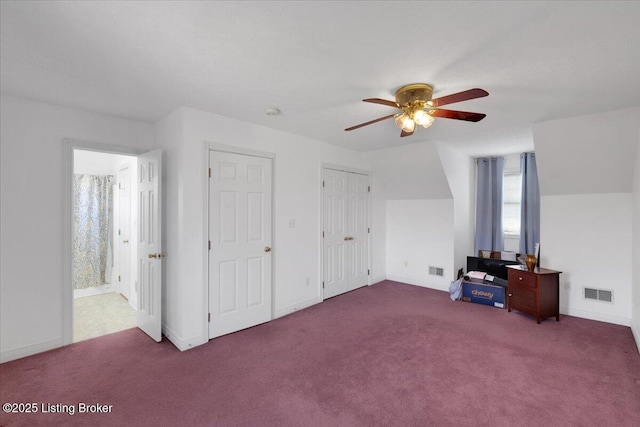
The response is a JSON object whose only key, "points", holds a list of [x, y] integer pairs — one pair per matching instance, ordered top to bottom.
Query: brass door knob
{"points": [[348, 238], [125, 241], [267, 249], [157, 255]]}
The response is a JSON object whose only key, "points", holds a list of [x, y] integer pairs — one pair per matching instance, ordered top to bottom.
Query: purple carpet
{"points": [[389, 354]]}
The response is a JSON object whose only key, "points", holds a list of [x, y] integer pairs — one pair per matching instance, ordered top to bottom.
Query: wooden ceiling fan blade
{"points": [[459, 97], [382, 101], [458, 115], [370, 122], [404, 133]]}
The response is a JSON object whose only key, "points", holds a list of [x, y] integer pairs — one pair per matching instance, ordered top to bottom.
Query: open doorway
{"points": [[104, 238]]}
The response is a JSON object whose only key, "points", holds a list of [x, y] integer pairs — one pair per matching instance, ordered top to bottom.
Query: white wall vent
{"points": [[436, 271], [598, 294]]}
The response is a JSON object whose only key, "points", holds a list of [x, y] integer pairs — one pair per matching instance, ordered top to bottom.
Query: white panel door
{"points": [[358, 230], [124, 231], [345, 231], [240, 237], [150, 244], [335, 278]]}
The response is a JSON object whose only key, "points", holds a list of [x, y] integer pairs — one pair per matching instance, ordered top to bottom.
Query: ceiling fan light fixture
{"points": [[417, 107], [423, 118], [405, 122], [409, 126]]}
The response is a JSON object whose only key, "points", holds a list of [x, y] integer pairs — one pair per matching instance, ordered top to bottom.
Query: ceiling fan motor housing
{"points": [[417, 93]]}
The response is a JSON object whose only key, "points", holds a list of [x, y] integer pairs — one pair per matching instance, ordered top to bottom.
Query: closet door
{"points": [[358, 230], [345, 231], [335, 279]]}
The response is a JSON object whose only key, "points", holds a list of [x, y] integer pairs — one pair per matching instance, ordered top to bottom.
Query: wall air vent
{"points": [[436, 271], [598, 294]]}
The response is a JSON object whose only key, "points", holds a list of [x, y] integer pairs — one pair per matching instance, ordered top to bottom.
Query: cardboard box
{"points": [[483, 293]]}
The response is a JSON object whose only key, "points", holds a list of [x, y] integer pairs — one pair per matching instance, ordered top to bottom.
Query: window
{"points": [[511, 193], [511, 204]]}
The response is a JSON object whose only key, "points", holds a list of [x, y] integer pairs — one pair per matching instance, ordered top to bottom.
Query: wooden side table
{"points": [[534, 292]]}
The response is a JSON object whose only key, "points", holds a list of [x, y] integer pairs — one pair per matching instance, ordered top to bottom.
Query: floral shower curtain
{"points": [[92, 230]]}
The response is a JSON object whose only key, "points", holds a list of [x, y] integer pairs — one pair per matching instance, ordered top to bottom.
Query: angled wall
{"points": [[591, 154], [586, 169], [410, 172], [460, 172], [416, 204]]}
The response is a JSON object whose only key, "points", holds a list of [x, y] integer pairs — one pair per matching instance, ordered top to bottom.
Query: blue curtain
{"points": [[529, 204], [489, 232]]}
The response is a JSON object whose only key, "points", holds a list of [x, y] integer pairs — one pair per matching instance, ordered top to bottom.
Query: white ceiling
{"points": [[316, 61]]}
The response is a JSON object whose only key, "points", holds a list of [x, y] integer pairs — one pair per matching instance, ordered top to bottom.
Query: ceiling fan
{"points": [[419, 109]]}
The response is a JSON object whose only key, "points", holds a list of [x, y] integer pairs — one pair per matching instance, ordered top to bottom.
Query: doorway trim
{"points": [[68, 145], [226, 148], [117, 203]]}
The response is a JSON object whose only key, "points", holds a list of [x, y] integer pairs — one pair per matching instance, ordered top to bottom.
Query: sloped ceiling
{"points": [[316, 61], [595, 153], [410, 172]]}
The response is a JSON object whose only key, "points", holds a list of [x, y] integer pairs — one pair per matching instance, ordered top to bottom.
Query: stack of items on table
{"points": [[481, 288]]}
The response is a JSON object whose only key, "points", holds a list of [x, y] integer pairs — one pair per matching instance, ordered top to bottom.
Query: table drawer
{"points": [[523, 279]]}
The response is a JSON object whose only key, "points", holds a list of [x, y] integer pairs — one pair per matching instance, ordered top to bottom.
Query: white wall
{"points": [[169, 137], [460, 171], [408, 172], [586, 172], [31, 192], [297, 195], [379, 230], [419, 235], [588, 238], [635, 284]]}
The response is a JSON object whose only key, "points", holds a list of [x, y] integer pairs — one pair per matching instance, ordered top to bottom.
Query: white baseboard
{"points": [[378, 279], [422, 283], [296, 307], [617, 320], [635, 330], [180, 343], [29, 350]]}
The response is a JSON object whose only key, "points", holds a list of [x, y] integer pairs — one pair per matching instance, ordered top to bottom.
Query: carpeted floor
{"points": [[98, 315], [385, 355]]}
